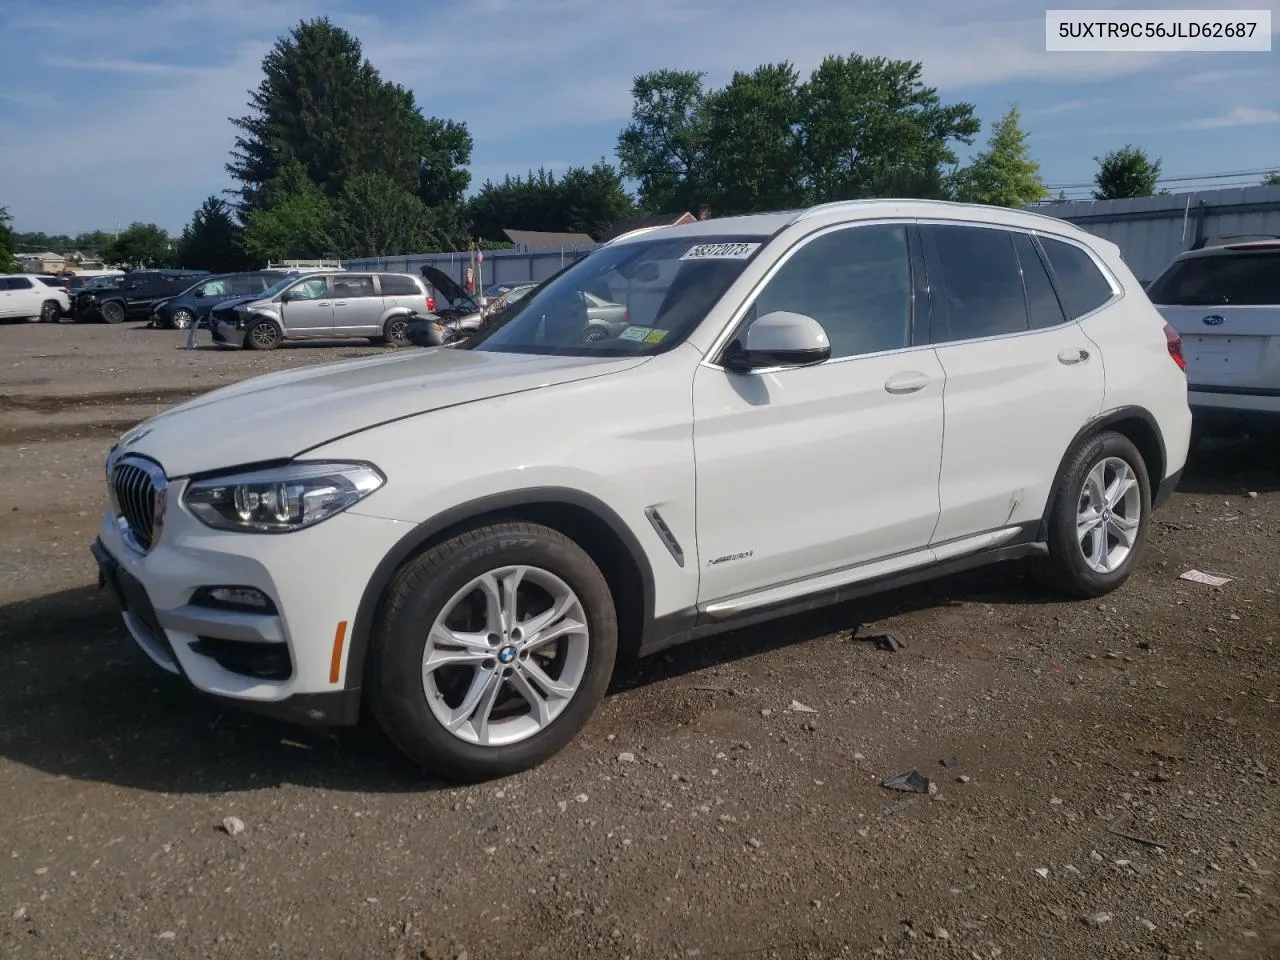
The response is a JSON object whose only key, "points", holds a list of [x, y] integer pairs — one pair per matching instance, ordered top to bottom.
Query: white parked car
{"points": [[28, 296], [1225, 302], [804, 407]]}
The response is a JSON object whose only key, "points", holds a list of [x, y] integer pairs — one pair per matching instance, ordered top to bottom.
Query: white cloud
{"points": [[144, 67], [1237, 117]]}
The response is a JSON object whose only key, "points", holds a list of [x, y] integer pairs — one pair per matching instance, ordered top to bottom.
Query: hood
{"points": [[444, 283], [231, 303], [280, 415]]}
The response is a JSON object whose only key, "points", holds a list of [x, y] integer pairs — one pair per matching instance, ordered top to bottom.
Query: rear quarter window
{"points": [[1242, 280], [396, 286], [1082, 287]]}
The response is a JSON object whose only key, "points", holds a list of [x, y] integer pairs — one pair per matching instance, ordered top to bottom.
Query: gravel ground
{"points": [[1109, 787]]}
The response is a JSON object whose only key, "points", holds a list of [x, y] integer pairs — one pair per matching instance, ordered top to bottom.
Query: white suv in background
{"points": [[27, 296], [1225, 302], [803, 408]]}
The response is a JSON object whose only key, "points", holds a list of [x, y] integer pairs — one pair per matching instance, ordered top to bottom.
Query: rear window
{"points": [[1242, 280], [1081, 285], [398, 286]]}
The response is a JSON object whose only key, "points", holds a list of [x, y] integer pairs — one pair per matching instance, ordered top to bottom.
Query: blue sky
{"points": [[116, 110]]}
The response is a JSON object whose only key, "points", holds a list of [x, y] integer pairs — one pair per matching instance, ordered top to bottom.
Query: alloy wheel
{"points": [[182, 319], [264, 335], [1109, 515], [505, 656]]}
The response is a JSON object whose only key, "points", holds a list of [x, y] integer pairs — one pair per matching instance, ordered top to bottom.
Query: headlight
{"points": [[282, 499]]}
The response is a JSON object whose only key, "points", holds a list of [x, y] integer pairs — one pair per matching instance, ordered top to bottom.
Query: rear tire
{"points": [[263, 335], [1098, 518], [440, 639]]}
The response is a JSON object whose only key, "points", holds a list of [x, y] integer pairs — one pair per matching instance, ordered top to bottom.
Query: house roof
{"points": [[649, 220], [539, 240], [47, 255]]}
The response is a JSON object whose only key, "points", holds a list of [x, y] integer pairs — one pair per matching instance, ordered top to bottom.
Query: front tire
{"points": [[50, 311], [113, 311], [182, 319], [396, 332], [263, 335], [1099, 518], [493, 650]]}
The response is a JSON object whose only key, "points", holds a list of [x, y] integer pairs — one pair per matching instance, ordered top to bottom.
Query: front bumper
{"points": [[88, 312], [225, 333], [290, 661]]}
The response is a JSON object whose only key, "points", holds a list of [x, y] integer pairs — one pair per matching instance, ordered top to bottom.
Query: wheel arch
{"points": [[1139, 425], [586, 520]]}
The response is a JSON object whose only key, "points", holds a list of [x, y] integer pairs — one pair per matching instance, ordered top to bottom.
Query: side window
{"points": [[855, 281], [20, 283], [252, 283], [981, 283], [1081, 283], [355, 285], [394, 285], [214, 288], [314, 289], [1042, 303]]}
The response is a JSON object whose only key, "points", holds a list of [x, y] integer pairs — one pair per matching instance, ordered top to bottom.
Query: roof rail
{"points": [[837, 205]]}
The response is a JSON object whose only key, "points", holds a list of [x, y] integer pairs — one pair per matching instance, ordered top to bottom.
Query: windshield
{"points": [[101, 283], [279, 285], [633, 298]]}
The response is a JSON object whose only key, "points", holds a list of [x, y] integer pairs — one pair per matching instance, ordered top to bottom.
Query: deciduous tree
{"points": [[857, 127], [1127, 172], [296, 220], [141, 245]]}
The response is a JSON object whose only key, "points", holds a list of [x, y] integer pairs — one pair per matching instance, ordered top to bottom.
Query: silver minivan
{"points": [[324, 305]]}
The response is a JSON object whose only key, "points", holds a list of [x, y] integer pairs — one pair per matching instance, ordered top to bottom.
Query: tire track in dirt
{"points": [[58, 403]]}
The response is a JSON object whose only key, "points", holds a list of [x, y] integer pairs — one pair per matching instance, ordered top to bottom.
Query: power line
{"points": [[1234, 174]]}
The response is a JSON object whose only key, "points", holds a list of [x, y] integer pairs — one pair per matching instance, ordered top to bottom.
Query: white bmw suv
{"points": [[801, 408]]}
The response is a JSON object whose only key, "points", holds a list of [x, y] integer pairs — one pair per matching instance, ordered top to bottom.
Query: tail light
{"points": [[431, 304], [626, 317], [1174, 341]]}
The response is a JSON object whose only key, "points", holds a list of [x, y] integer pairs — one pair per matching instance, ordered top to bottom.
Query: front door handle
{"points": [[1070, 357], [908, 382]]}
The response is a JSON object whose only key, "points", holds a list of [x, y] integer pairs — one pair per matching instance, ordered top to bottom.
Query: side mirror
{"points": [[286, 296], [779, 339]]}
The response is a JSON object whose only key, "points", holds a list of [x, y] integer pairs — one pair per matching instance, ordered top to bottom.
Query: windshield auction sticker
{"points": [[721, 251]]}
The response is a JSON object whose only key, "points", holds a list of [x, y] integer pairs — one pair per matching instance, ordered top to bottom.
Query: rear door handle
{"points": [[340, 303], [1070, 357], [908, 382]]}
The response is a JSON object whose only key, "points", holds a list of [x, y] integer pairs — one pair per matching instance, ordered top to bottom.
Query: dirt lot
{"points": [[698, 815]]}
